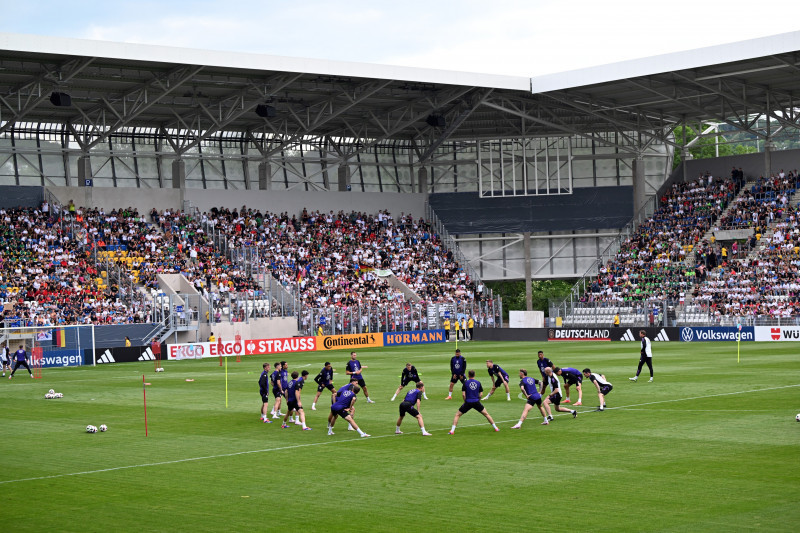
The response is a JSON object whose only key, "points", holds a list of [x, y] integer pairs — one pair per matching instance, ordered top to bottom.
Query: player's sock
{"points": [[424, 395], [508, 396], [393, 397], [314, 406], [304, 425], [495, 427], [453, 429], [423, 430], [361, 432]]}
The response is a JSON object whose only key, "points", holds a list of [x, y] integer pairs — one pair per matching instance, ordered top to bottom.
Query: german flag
{"points": [[60, 338]]}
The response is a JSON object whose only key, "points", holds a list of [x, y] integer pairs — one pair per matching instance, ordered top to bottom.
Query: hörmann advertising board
{"points": [[578, 334], [716, 334], [413, 337]]}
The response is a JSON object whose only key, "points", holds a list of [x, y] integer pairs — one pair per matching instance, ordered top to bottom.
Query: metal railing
{"points": [[400, 316]]}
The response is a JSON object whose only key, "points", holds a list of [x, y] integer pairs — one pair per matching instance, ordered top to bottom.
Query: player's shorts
{"points": [[458, 377], [499, 381], [573, 381], [359, 382], [404, 382], [322, 387], [605, 389], [276, 393], [265, 398], [555, 399], [537, 401], [293, 406], [478, 406], [408, 407], [343, 413]]}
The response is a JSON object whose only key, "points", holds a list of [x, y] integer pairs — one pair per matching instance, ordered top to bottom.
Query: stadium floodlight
{"points": [[60, 99], [266, 111], [436, 121]]}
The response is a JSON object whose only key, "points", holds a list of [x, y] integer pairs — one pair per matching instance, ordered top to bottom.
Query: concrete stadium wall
{"points": [[752, 164], [115, 197], [274, 201], [295, 201]]}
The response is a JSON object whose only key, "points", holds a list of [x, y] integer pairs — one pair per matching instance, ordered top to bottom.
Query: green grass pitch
{"points": [[711, 445]]}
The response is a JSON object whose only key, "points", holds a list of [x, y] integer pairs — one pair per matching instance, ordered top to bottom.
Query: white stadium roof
{"points": [[114, 86]]}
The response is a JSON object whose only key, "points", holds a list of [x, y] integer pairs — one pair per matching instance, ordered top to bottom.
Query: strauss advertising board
{"points": [[199, 350]]}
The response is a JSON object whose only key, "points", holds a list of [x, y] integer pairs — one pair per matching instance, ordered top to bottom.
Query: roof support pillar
{"points": [[769, 145], [84, 170], [264, 176], [344, 177], [422, 180], [639, 184], [526, 246]]}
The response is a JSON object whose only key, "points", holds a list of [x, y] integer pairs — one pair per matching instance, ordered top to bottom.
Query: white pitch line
{"points": [[703, 397], [266, 450]]}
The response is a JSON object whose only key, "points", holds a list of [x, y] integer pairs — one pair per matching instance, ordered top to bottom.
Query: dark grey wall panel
{"points": [[20, 196], [585, 209]]}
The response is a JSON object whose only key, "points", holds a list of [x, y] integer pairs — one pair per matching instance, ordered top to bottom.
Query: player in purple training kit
{"points": [[471, 391], [410, 405]]}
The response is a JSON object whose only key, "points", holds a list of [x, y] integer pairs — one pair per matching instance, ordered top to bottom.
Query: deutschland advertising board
{"points": [[777, 333], [578, 334], [716, 334], [413, 337], [349, 342]]}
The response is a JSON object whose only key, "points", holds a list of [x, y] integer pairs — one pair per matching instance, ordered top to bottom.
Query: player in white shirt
{"points": [[646, 357], [603, 386]]}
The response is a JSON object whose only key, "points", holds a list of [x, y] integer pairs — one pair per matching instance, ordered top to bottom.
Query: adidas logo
{"points": [[628, 336], [662, 336], [147, 355], [106, 357]]}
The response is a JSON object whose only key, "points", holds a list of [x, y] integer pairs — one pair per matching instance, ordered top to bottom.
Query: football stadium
{"points": [[252, 292]]}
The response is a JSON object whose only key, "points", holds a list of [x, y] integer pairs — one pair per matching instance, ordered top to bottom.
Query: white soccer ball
{"points": [[159, 369], [51, 391], [58, 395], [49, 396], [797, 418], [103, 427], [91, 429]]}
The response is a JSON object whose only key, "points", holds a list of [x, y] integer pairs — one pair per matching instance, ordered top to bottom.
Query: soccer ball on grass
{"points": [[159, 369], [51, 391], [797, 418], [103, 427], [91, 429]]}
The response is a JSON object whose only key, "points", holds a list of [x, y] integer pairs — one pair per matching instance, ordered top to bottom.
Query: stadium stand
{"points": [[56, 266]]}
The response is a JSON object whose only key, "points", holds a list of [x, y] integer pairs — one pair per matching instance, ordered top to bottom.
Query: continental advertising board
{"points": [[349, 342]]}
